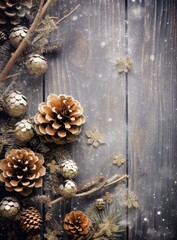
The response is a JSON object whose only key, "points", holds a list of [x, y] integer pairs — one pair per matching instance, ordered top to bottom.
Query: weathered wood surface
{"points": [[136, 112], [152, 116]]}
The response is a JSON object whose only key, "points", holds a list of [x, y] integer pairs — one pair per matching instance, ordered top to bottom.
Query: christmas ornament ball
{"points": [[17, 34], [36, 64], [15, 104], [68, 169], [68, 189], [100, 204], [9, 207]]}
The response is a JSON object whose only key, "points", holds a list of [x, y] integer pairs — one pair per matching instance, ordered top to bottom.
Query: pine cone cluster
{"points": [[12, 11], [59, 119], [22, 169], [30, 220], [76, 223]]}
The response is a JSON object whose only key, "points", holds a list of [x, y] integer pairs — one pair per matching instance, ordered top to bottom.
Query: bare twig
{"points": [[69, 14], [57, 23], [13, 75], [102, 185]]}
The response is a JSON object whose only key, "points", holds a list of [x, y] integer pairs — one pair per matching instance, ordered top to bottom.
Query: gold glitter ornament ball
{"points": [[17, 34], [36, 64], [15, 104], [24, 130], [68, 169], [68, 189], [100, 204], [9, 207]]}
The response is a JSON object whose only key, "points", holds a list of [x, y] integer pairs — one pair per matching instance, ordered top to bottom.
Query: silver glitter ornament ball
{"points": [[17, 34], [36, 64], [15, 104], [24, 130], [68, 169], [68, 189], [9, 207]]}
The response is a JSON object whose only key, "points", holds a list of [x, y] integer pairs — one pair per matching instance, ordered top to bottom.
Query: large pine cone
{"points": [[12, 11], [60, 119], [22, 169], [30, 220], [76, 223]]}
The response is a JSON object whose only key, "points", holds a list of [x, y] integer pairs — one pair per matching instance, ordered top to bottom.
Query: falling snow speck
{"points": [[152, 57]]}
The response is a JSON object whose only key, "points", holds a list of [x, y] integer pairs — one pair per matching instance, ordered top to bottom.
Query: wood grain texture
{"points": [[93, 38], [152, 116]]}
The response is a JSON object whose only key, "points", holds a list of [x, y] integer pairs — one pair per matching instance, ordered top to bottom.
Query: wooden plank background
{"points": [[137, 111]]}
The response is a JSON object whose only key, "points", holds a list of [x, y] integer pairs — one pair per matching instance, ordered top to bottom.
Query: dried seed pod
{"points": [[17, 34], [36, 64], [15, 104], [24, 130], [68, 169], [68, 189], [100, 204], [9, 207], [30, 220]]}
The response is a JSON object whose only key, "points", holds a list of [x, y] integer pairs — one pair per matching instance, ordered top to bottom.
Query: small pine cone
{"points": [[13, 11], [17, 34], [36, 64], [15, 104], [59, 120], [24, 130], [22, 169], [68, 169], [9, 207], [30, 220], [76, 223]]}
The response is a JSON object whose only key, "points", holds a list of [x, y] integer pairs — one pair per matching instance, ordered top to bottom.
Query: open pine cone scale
{"points": [[60, 119], [22, 170]]}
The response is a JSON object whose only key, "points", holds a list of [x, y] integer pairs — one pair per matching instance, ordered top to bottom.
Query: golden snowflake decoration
{"points": [[124, 64], [95, 137], [119, 160], [53, 166], [108, 197], [131, 200], [108, 226], [51, 235]]}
